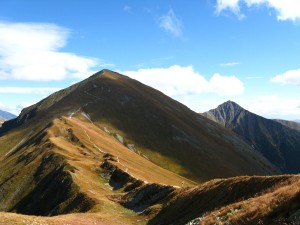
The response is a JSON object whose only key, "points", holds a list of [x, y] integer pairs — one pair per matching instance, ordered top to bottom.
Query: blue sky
{"points": [[201, 53]]}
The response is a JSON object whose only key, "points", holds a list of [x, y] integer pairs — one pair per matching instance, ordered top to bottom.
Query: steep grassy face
{"points": [[152, 125], [278, 143], [59, 169], [35, 179], [240, 200]]}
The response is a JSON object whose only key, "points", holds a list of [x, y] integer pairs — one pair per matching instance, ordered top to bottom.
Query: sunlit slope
{"points": [[152, 124], [59, 170]]}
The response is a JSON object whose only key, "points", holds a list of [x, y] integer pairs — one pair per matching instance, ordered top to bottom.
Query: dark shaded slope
{"points": [[165, 131], [278, 143]]}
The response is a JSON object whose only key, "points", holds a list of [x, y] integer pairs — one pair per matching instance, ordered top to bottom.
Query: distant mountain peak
{"points": [[105, 73], [231, 105], [225, 113], [6, 115], [278, 140]]}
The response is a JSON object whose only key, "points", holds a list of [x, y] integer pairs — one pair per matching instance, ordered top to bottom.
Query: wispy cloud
{"points": [[127, 9], [285, 9], [171, 24], [32, 51], [153, 62], [230, 64], [289, 77], [181, 81], [28, 90], [273, 106]]}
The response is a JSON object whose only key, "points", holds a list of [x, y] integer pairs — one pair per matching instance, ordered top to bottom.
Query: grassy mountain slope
{"points": [[154, 125], [278, 143], [63, 169], [240, 200]]}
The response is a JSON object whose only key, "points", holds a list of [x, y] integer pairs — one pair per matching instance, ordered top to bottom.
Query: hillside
{"points": [[151, 124], [290, 124], [278, 143], [110, 150], [72, 166], [236, 201]]}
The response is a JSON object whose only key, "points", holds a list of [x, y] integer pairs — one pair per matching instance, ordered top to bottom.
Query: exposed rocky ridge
{"points": [[163, 130], [278, 143]]}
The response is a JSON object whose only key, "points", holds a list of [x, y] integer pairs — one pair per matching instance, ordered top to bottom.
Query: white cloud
{"points": [[232, 5], [127, 9], [285, 9], [171, 23], [32, 51], [229, 64], [289, 77], [180, 81], [226, 85], [28, 90], [273, 106]]}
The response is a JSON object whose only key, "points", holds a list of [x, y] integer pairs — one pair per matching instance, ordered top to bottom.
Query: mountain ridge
{"points": [[136, 112], [278, 143], [110, 149]]}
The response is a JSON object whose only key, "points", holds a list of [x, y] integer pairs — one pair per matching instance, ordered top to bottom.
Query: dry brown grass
{"points": [[78, 142], [239, 200], [274, 205]]}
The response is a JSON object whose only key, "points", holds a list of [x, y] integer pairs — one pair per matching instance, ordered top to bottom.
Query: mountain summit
{"points": [[225, 114], [160, 128], [110, 143], [278, 143]]}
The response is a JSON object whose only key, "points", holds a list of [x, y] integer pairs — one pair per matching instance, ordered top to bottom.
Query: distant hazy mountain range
{"points": [[6, 115], [291, 124], [276, 140]]}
